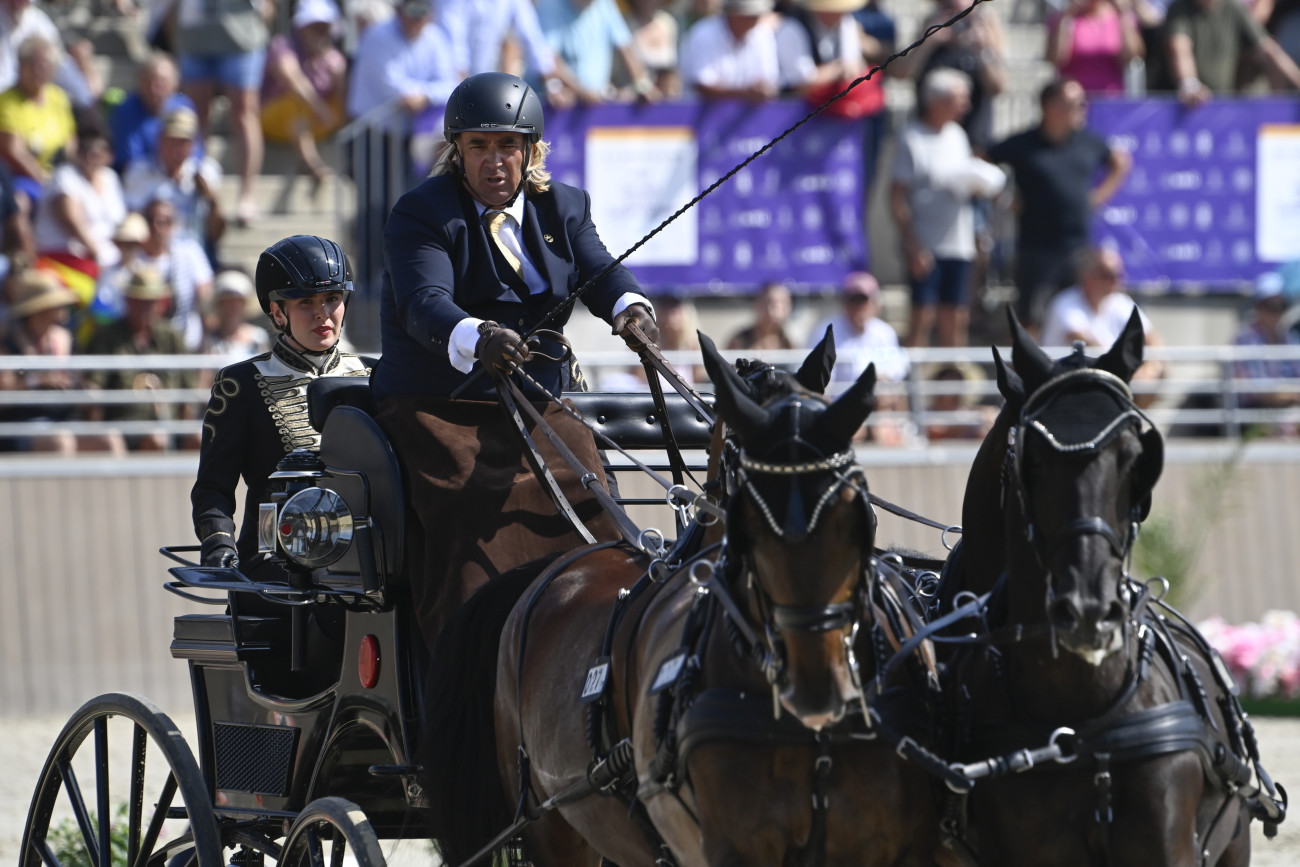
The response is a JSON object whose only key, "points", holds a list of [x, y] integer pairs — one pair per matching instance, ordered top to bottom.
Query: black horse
{"points": [[1144, 755]]}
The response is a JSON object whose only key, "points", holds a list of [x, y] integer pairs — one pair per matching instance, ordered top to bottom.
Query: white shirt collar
{"points": [[516, 210]]}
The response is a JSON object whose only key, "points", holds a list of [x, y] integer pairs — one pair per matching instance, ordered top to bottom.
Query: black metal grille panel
{"points": [[254, 759]]}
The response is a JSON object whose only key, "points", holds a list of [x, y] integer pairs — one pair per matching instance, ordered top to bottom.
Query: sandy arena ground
{"points": [[24, 744]]}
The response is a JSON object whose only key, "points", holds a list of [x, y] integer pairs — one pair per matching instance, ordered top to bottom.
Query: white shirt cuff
{"points": [[627, 299], [460, 346]]}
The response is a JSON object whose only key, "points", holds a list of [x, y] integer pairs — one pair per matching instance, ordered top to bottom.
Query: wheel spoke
{"points": [[139, 752], [102, 790], [78, 804], [156, 821], [339, 848], [314, 854]]}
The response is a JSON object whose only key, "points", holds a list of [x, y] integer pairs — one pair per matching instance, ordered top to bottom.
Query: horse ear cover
{"points": [[1125, 356], [1031, 362], [815, 372], [1010, 385], [734, 405], [842, 419], [1147, 471]]}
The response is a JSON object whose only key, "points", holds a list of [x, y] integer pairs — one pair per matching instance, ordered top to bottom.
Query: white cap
{"points": [[315, 12], [232, 283]]}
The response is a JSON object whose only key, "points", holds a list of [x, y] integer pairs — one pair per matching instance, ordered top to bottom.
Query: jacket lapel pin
{"points": [[550, 239]]}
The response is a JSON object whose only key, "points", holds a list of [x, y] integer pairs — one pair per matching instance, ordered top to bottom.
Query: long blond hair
{"points": [[537, 178]]}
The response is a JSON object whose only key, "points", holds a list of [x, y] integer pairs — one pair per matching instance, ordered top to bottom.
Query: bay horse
{"points": [[732, 714], [1144, 755]]}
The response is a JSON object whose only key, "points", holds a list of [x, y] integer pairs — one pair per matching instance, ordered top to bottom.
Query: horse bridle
{"points": [[739, 469], [1121, 544]]}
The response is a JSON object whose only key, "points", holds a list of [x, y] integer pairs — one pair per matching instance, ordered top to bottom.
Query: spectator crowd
{"points": [[111, 227]]}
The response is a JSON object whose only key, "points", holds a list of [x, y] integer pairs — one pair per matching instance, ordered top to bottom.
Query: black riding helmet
{"points": [[494, 102], [298, 267]]}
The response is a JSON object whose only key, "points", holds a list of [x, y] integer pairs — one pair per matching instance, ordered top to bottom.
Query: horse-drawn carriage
{"points": [[770, 688]]}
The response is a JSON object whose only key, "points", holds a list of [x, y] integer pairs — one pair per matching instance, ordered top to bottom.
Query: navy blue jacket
{"points": [[440, 269]]}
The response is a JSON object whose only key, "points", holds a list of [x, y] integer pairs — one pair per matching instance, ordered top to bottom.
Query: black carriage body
{"points": [[270, 741]]}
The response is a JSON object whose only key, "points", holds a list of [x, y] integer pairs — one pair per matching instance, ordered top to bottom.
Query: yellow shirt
{"points": [[46, 124]]}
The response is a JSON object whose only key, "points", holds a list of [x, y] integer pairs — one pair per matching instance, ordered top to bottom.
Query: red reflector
{"points": [[285, 529], [368, 662]]}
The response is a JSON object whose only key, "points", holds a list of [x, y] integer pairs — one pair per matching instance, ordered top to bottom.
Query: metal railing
{"points": [[1200, 389]]}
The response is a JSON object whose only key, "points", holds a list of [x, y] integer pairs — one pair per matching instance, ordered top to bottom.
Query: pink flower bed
{"points": [[1264, 657]]}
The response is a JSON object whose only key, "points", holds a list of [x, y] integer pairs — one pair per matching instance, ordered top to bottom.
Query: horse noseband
{"points": [[814, 618]]}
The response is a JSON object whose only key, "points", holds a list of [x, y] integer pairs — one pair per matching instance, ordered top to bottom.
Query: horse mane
{"points": [[467, 803]]}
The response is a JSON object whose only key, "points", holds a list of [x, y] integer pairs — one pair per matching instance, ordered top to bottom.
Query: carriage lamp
{"points": [[315, 527]]}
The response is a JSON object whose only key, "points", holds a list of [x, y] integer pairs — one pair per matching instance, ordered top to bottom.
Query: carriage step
{"points": [[395, 770]]}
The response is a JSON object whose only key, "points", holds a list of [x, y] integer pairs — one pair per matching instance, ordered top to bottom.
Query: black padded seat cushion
{"points": [[631, 421]]}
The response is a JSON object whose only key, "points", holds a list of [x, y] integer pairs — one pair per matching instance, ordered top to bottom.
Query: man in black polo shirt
{"points": [[1056, 166]]}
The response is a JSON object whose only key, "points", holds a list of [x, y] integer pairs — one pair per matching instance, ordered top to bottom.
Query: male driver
{"points": [[479, 254]]}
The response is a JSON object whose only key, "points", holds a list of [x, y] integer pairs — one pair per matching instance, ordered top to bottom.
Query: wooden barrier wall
{"points": [[84, 611]]}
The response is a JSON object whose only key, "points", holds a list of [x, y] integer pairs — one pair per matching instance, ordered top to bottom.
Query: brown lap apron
{"points": [[480, 510]]}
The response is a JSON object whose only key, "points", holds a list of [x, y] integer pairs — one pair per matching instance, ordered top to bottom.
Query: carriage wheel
{"points": [[134, 792], [331, 828]]}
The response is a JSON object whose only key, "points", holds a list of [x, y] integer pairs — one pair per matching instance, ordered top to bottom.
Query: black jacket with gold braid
{"points": [[256, 415]]}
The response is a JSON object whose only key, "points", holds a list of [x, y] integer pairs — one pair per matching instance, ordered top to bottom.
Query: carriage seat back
{"points": [[327, 392], [631, 421]]}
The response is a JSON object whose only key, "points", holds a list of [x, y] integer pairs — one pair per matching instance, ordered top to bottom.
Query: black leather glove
{"points": [[640, 316], [500, 348], [219, 551]]}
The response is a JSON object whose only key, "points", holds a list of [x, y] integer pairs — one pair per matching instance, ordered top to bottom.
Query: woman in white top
{"points": [[83, 205]]}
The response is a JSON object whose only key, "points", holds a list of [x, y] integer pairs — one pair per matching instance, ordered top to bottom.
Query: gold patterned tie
{"points": [[494, 220]]}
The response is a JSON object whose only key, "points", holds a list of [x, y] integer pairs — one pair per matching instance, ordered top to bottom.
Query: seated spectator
{"points": [[1284, 26], [586, 36], [654, 41], [1093, 41], [1207, 42], [821, 45], [976, 45], [221, 48], [733, 54], [406, 58], [75, 69], [304, 85], [137, 120], [36, 123], [177, 174], [935, 179], [79, 213], [16, 245], [182, 266], [110, 292], [772, 307], [1097, 309], [679, 326], [36, 328], [1266, 329], [144, 330], [230, 332], [862, 338], [955, 399]]}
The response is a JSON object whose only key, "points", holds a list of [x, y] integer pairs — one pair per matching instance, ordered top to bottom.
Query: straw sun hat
{"points": [[39, 291]]}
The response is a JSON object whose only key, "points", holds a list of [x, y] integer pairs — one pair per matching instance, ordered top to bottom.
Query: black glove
{"points": [[640, 316], [500, 348], [219, 551]]}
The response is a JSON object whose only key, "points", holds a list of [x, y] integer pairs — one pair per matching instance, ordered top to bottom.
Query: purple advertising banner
{"points": [[1214, 196], [795, 214]]}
